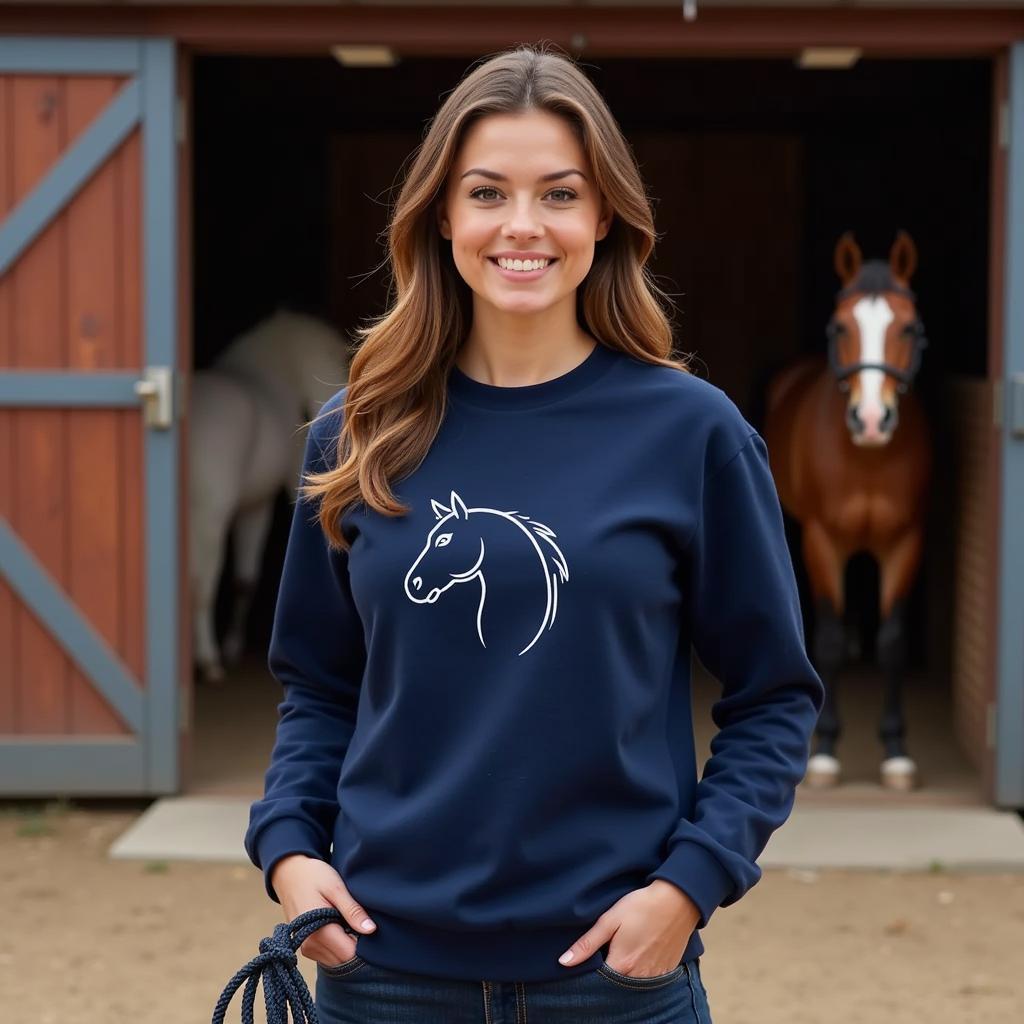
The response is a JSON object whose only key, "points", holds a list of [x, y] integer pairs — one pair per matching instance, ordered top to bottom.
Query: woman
{"points": [[517, 517]]}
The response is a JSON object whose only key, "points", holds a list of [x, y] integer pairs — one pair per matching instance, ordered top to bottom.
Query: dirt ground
{"points": [[88, 940]]}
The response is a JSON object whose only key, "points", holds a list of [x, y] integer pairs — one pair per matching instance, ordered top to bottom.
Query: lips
{"points": [[550, 259], [524, 276]]}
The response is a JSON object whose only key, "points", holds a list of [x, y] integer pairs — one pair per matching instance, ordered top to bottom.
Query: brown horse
{"points": [[854, 481]]}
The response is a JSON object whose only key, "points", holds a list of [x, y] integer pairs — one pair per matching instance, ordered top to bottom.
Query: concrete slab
{"points": [[187, 828], [899, 838]]}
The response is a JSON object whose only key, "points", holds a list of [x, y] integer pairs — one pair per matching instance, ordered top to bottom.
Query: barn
{"points": [[169, 173]]}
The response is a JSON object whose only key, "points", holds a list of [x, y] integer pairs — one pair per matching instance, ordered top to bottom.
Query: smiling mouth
{"points": [[521, 275]]}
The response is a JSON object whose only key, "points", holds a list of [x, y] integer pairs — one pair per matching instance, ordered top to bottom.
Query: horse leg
{"points": [[250, 535], [208, 541], [899, 564], [824, 569], [829, 654]]}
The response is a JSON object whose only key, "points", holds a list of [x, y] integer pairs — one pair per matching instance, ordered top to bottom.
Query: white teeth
{"points": [[521, 264]]}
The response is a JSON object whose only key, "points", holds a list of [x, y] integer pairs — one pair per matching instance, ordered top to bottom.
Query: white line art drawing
{"points": [[465, 560]]}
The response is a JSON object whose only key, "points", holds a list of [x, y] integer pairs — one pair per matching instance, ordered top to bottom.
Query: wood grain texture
{"points": [[72, 478], [8, 612], [973, 626]]}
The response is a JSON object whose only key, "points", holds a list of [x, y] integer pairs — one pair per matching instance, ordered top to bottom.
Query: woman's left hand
{"points": [[650, 928]]}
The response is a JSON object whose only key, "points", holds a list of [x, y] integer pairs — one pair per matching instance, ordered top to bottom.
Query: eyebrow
{"points": [[494, 176]]}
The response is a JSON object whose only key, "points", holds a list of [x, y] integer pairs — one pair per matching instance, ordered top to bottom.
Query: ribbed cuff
{"points": [[280, 838], [699, 874]]}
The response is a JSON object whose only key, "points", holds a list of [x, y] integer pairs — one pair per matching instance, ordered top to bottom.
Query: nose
{"points": [[522, 220], [870, 416], [871, 420]]}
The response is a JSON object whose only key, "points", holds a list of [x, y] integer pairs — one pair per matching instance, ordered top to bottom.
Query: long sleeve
{"points": [[746, 627], [317, 653]]}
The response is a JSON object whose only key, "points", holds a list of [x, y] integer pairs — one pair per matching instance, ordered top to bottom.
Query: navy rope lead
{"points": [[283, 985]]}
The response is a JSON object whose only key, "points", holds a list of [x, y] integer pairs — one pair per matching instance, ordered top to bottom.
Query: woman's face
{"points": [[507, 194]]}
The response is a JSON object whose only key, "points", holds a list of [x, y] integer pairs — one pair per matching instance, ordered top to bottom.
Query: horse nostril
{"points": [[888, 419], [853, 421]]}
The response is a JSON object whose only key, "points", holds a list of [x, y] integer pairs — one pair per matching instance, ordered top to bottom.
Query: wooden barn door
{"points": [[89, 686]]}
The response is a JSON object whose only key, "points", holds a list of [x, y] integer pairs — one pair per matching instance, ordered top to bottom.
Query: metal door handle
{"points": [[156, 389]]}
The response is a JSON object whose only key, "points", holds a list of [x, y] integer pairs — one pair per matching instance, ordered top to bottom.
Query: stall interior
{"points": [[755, 169]]}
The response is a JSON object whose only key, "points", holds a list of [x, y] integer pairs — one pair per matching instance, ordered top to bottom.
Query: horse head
{"points": [[875, 336], [456, 547], [452, 553]]}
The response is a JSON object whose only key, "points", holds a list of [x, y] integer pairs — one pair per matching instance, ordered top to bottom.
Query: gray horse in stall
{"points": [[246, 443]]}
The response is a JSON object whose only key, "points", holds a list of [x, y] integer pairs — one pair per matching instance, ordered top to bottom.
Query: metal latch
{"points": [[156, 391], [1017, 405]]}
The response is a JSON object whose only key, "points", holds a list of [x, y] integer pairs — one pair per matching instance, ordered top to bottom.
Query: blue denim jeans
{"points": [[358, 992]]}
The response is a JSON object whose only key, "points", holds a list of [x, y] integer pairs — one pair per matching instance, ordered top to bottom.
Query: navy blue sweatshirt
{"points": [[486, 724]]}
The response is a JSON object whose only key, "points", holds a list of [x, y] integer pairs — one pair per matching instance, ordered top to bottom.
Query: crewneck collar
{"points": [[467, 389]]}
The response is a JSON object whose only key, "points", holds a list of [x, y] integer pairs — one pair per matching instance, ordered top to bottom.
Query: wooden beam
{"points": [[417, 31]]}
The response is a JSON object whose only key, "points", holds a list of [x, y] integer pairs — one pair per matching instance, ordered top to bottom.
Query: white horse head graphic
{"points": [[456, 552]]}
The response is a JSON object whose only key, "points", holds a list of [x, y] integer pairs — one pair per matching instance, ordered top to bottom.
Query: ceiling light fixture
{"points": [[355, 56], [829, 56]]}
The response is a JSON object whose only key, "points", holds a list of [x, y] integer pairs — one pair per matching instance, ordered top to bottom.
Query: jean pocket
{"points": [[342, 970], [628, 981]]}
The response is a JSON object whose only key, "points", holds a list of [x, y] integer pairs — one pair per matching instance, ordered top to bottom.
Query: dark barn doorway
{"points": [[755, 169]]}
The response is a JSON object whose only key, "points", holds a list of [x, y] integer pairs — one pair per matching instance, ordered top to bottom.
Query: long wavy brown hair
{"points": [[396, 391]]}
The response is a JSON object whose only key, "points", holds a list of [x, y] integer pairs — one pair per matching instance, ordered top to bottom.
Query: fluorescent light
{"points": [[364, 56], [828, 56]]}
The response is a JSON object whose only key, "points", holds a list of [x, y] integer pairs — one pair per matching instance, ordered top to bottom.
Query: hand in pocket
{"points": [[305, 883]]}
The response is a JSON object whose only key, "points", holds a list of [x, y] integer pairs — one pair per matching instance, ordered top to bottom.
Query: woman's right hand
{"points": [[305, 883]]}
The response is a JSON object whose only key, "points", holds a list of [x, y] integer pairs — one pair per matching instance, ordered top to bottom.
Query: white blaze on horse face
{"points": [[873, 316]]}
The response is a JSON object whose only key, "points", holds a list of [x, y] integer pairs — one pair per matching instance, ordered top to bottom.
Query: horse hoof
{"points": [[822, 771], [899, 773]]}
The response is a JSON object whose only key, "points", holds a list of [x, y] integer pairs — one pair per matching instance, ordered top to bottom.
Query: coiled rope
{"points": [[283, 984]]}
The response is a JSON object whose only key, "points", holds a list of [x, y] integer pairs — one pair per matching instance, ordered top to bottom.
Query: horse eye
{"points": [[442, 539]]}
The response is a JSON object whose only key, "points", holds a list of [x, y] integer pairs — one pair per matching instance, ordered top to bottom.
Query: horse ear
{"points": [[903, 256], [847, 258], [459, 507], [439, 510]]}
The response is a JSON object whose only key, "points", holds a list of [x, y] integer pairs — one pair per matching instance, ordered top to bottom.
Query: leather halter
{"points": [[904, 378]]}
